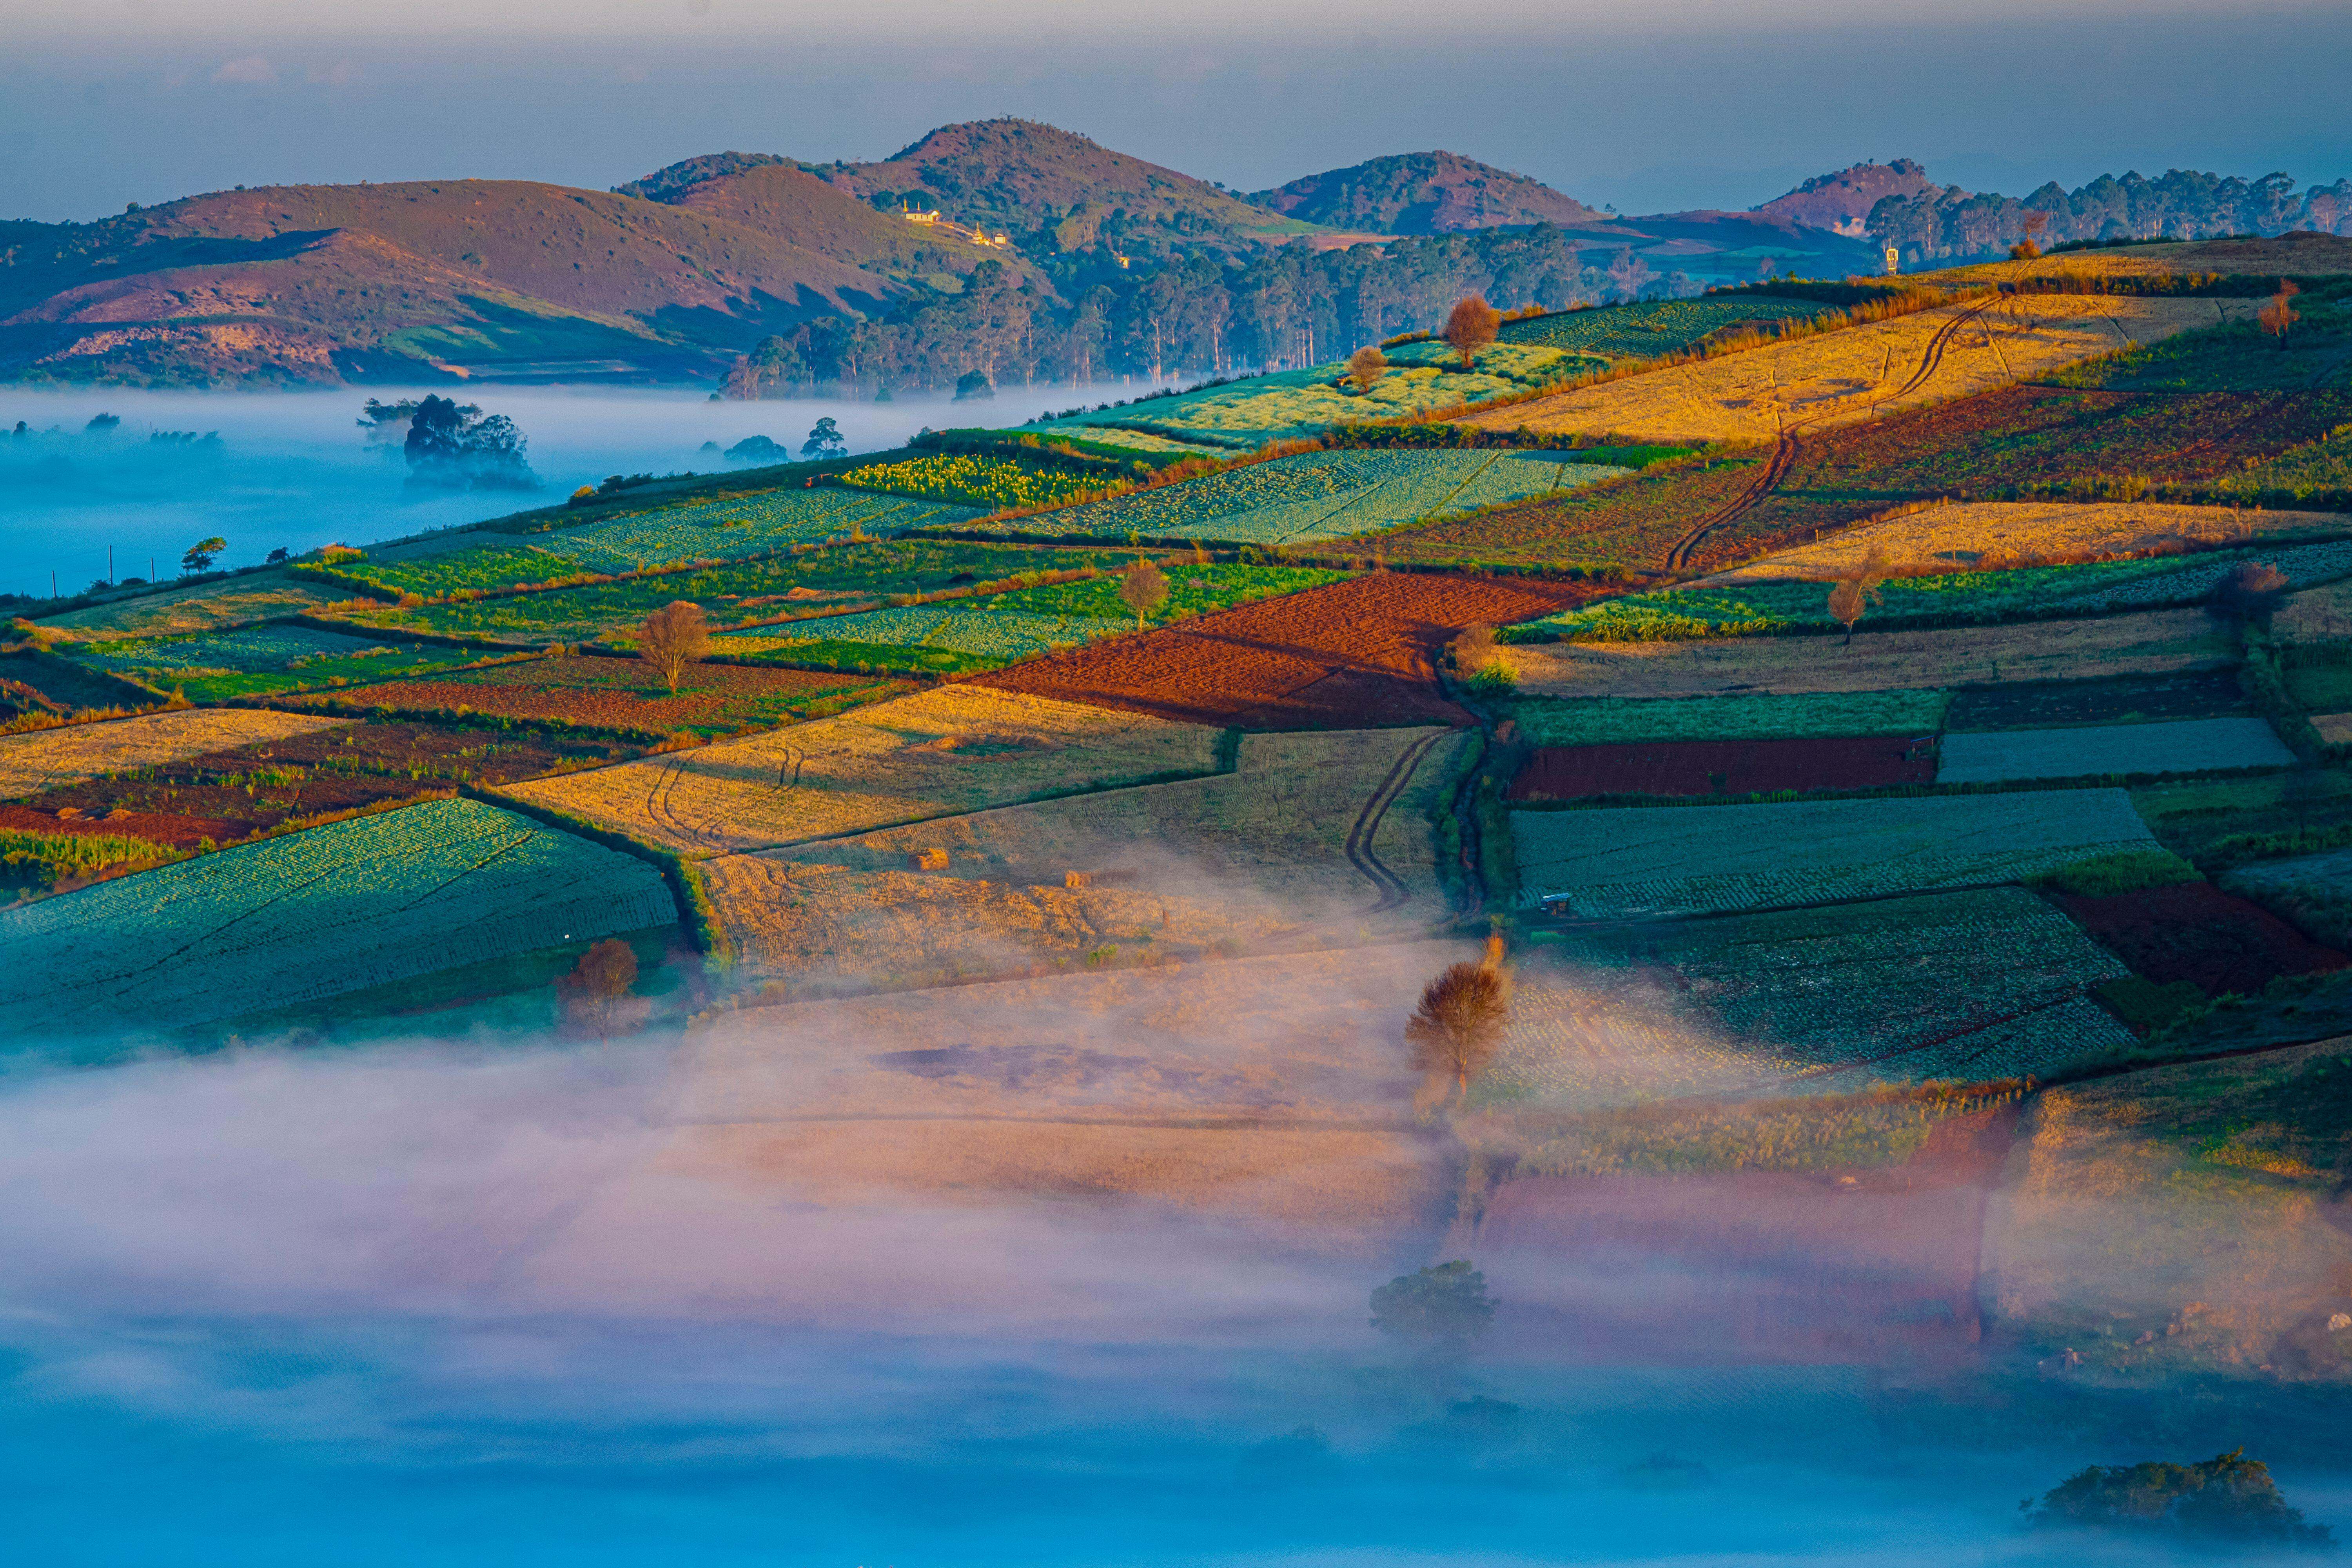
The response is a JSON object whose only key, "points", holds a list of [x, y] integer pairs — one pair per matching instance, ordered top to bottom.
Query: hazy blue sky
{"points": [[1667, 104]]}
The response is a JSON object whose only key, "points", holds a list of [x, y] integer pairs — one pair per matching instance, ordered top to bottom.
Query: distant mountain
{"points": [[1037, 180], [1423, 192], [1843, 200], [1945, 223], [308, 283]]}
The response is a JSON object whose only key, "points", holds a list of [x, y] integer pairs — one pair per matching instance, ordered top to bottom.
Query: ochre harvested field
{"points": [[2303, 254], [1863, 372], [1985, 534], [186, 612], [2153, 642], [1351, 655], [622, 694], [936, 753], [45, 758], [1725, 767], [236, 791], [1323, 835], [2195, 931], [2181, 1220], [1877, 1266]]}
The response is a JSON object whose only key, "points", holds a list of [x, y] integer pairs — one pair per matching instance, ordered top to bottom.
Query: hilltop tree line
{"points": [[1948, 223], [1195, 315]]}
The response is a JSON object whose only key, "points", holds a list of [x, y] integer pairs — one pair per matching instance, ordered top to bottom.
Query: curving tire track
{"points": [[1392, 889]]}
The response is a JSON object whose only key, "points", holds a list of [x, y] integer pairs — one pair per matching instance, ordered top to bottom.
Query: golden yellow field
{"points": [[2305, 255], [1863, 371], [1960, 535], [207, 606], [2316, 614], [2151, 642], [935, 754], [45, 758], [1241, 858], [2188, 1203]]}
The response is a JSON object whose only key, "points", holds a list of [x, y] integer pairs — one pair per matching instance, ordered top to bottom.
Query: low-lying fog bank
{"points": [[293, 470], [464, 1303]]}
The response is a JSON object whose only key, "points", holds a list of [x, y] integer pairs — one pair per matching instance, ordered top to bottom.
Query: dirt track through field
{"points": [[1392, 889]]}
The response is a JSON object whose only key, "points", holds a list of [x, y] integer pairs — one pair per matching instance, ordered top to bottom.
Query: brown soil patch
{"points": [[1351, 655], [1725, 767], [179, 831], [2195, 931], [1749, 1266]]}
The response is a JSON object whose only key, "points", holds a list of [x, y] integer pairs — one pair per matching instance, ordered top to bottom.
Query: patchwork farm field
{"points": [[1656, 328], [2239, 357], [1865, 371], [1245, 415], [981, 481], [1320, 496], [1996, 535], [815, 580], [191, 611], [2315, 616], [2147, 643], [1354, 654], [255, 661], [621, 695], [2120, 700], [1605, 720], [2182, 746], [939, 753], [45, 759], [1724, 767], [233, 791], [1310, 837], [1613, 863], [2311, 891], [311, 915], [2195, 932], [1968, 986]]}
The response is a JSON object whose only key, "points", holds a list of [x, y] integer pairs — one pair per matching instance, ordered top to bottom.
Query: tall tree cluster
{"points": [[1949, 223]]}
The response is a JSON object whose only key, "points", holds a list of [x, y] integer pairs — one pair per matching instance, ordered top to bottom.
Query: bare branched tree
{"points": [[2279, 314], [1471, 326], [1142, 589], [1856, 592], [673, 638], [604, 973], [1459, 1023]]}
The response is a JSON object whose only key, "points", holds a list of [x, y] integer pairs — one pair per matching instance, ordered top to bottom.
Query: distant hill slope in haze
{"points": [[1424, 193], [1842, 200], [320, 282]]}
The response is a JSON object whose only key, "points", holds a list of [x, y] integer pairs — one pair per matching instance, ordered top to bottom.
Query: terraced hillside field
{"points": [[1654, 328], [1866, 371], [203, 607], [2148, 642], [1356, 653], [259, 660], [939, 753], [47, 758], [1315, 836], [1652, 862], [311, 915]]}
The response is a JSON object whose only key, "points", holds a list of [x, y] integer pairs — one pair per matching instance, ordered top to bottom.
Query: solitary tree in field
{"points": [[2027, 249], [2279, 314], [1471, 326], [1364, 366], [200, 554], [1142, 589], [2253, 589], [1857, 593], [673, 638], [1474, 650], [604, 973], [1459, 1023], [1439, 1311]]}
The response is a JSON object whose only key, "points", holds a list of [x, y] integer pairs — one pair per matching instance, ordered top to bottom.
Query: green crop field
{"points": [[1654, 328], [2236, 357], [1292, 404], [2313, 467], [974, 479], [1320, 496], [805, 580], [256, 660], [1762, 716], [2182, 746], [1621, 862], [2314, 892], [310, 915], [1971, 985]]}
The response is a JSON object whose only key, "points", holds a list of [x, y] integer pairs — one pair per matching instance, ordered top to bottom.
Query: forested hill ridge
{"points": [[1424, 193], [1842, 201], [1946, 223]]}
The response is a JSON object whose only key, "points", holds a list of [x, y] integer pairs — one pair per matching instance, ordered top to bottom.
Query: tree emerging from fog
{"points": [[457, 446], [1453, 1032], [1438, 1312], [2227, 1500]]}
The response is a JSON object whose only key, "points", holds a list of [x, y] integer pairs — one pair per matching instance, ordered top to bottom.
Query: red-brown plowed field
{"points": [[1350, 654], [621, 694], [1724, 767], [179, 831], [2195, 931], [1747, 1265]]}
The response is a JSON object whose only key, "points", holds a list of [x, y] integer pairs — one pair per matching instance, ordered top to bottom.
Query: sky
{"points": [[1656, 106]]}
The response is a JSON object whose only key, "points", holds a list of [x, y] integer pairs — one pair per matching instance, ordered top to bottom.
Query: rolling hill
{"points": [[1424, 193]]}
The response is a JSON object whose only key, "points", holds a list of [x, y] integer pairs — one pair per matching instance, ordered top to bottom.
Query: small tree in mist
{"points": [[1628, 274], [2279, 314], [1471, 326], [1364, 366], [1142, 588], [1856, 592], [673, 638], [595, 988], [1460, 1020], [1437, 1313], [2228, 1501]]}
